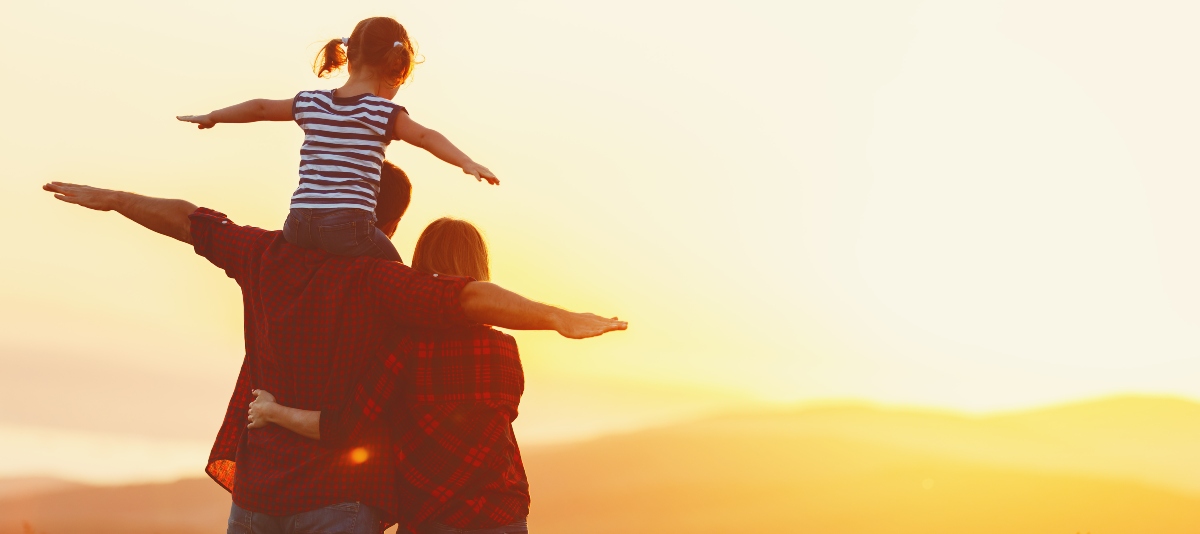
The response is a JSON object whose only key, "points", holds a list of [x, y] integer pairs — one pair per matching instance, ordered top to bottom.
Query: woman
{"points": [[451, 396]]}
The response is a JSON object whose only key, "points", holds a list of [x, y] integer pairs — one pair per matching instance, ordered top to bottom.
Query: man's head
{"points": [[395, 192]]}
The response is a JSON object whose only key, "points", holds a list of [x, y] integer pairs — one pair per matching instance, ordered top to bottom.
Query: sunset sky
{"points": [[967, 205]]}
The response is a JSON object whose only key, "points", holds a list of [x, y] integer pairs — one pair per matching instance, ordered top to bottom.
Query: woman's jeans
{"points": [[345, 232], [341, 518], [520, 527]]}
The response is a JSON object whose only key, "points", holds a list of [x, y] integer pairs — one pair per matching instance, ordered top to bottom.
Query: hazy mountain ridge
{"points": [[1152, 440], [1113, 465], [13, 488], [191, 506]]}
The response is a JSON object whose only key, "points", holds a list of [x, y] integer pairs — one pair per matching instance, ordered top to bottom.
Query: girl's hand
{"points": [[202, 121], [480, 173], [261, 409]]}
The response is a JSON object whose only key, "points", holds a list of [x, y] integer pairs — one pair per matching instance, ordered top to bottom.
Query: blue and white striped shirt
{"points": [[342, 153]]}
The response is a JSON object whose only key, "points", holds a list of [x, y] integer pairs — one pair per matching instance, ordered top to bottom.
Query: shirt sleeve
{"points": [[295, 103], [391, 121], [228, 246], [407, 298]]}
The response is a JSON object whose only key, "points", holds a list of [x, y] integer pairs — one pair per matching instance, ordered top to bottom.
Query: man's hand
{"points": [[201, 121], [480, 173], [84, 195], [166, 216], [585, 325], [261, 410]]}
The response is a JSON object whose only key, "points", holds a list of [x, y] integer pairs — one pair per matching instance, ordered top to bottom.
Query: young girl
{"points": [[345, 133]]}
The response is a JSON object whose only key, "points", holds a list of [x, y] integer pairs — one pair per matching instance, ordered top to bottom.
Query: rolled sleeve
{"points": [[227, 245], [414, 299]]}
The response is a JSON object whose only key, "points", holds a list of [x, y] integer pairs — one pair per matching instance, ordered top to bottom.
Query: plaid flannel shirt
{"points": [[313, 323], [449, 398]]}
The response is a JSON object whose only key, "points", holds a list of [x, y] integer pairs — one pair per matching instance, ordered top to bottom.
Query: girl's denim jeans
{"points": [[345, 232]]}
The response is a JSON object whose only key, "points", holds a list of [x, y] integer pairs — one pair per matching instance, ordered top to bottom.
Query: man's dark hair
{"points": [[395, 192]]}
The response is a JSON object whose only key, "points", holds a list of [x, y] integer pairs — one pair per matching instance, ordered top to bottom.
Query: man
{"points": [[313, 321]]}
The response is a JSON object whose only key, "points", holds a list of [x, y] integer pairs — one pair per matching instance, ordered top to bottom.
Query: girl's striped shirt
{"points": [[342, 153]]}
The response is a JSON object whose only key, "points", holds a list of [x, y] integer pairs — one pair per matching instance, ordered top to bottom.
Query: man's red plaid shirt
{"points": [[314, 322], [450, 398]]}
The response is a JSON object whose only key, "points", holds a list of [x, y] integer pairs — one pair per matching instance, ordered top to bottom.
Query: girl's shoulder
{"points": [[327, 93], [331, 96]]}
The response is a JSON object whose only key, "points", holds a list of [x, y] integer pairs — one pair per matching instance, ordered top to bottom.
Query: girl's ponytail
{"points": [[379, 43], [331, 58], [397, 63]]}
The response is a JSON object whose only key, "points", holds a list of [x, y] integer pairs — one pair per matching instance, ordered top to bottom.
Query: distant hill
{"points": [[1153, 440], [1122, 465], [1111, 466], [12, 488], [193, 506]]}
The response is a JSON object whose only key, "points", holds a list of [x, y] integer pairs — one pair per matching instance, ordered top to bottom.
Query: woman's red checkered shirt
{"points": [[314, 322], [450, 398]]}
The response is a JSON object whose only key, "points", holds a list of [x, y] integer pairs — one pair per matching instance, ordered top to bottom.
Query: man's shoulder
{"points": [[213, 220], [227, 244]]}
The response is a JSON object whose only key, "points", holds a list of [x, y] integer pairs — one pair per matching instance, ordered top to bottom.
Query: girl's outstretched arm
{"points": [[259, 109], [410, 132]]}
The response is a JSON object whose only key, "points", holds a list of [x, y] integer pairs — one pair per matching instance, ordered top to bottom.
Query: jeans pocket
{"points": [[292, 229], [341, 238], [341, 518], [241, 521], [433, 527]]}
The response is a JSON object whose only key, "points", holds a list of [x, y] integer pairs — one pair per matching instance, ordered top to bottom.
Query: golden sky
{"points": [[972, 205]]}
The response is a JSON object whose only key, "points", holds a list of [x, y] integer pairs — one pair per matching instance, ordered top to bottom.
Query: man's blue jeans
{"points": [[341, 518], [520, 527]]}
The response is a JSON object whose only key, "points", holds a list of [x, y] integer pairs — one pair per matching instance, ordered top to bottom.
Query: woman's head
{"points": [[378, 45], [453, 247]]}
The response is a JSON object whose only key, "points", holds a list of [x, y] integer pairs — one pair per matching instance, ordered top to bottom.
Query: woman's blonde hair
{"points": [[453, 247]]}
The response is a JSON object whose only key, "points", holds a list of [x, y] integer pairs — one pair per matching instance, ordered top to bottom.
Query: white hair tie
{"points": [[346, 42], [397, 43]]}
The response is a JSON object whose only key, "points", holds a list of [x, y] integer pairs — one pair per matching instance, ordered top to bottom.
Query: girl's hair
{"points": [[373, 44], [453, 247]]}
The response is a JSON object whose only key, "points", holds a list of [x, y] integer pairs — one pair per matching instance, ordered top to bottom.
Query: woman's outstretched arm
{"points": [[488, 303]]}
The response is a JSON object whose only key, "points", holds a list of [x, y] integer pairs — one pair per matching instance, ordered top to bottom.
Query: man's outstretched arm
{"points": [[166, 216]]}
